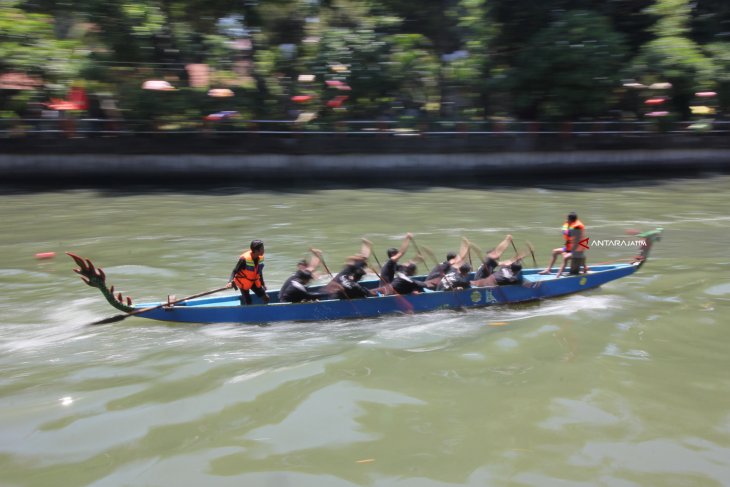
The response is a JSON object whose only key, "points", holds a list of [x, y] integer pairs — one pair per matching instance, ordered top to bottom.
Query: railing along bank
{"points": [[87, 127]]}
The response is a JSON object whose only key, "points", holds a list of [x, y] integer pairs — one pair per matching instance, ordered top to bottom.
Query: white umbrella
{"points": [[157, 85]]}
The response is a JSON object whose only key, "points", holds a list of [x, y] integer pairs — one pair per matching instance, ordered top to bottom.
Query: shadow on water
{"points": [[586, 181]]}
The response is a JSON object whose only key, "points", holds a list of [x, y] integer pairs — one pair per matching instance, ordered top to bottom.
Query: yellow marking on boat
{"points": [[583, 281]]}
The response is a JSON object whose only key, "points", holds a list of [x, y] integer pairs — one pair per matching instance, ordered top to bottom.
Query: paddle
{"points": [[413, 239], [514, 247], [532, 251], [479, 252], [318, 254], [430, 254], [324, 264], [379, 266], [402, 301], [116, 318]]}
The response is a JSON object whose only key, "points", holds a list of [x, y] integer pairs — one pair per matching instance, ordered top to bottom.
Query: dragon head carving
{"points": [[95, 277]]}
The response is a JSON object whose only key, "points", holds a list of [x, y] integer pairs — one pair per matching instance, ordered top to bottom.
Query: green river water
{"points": [[626, 385]]}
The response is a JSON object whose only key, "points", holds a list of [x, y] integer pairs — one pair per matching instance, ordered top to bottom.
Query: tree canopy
{"points": [[445, 59]]}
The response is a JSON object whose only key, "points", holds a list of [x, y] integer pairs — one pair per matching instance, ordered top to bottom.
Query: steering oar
{"points": [[116, 318]]}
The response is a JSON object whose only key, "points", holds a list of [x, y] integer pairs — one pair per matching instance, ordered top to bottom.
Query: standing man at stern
{"points": [[573, 232], [248, 274]]}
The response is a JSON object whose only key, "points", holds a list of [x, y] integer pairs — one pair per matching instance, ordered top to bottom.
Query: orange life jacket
{"points": [[569, 234], [250, 274]]}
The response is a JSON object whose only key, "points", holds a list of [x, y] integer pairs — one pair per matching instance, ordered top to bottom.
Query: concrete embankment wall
{"points": [[292, 158], [353, 168]]}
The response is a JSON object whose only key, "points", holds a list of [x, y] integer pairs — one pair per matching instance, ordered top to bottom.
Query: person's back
{"points": [[391, 266], [486, 269], [440, 270], [388, 271], [508, 274], [456, 279], [405, 284], [346, 285], [294, 289]]}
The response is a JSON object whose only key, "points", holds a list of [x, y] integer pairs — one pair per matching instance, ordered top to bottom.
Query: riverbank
{"points": [[305, 158]]}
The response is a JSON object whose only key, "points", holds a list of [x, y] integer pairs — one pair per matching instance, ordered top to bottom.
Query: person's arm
{"points": [[403, 247], [366, 248], [499, 250], [463, 252], [520, 256], [315, 261], [241, 263], [260, 266], [421, 285], [362, 289]]}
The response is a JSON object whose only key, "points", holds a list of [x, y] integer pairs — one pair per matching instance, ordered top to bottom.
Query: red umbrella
{"points": [[301, 98], [337, 101], [654, 101], [58, 104]]}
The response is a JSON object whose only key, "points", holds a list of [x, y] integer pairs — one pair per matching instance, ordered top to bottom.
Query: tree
{"points": [[28, 43], [719, 53], [674, 57], [569, 69]]}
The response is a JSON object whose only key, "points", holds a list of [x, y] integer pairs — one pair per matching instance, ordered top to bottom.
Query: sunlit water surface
{"points": [[627, 385]]}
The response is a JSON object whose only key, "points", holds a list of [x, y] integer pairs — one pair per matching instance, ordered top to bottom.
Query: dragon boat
{"points": [[228, 309]]}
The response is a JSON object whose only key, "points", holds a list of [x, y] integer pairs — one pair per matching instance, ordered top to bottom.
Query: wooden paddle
{"points": [[514, 247], [478, 251], [532, 251], [430, 253], [321, 259], [324, 264], [379, 266], [117, 318]]}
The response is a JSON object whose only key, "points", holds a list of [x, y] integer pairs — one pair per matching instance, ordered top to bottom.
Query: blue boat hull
{"points": [[227, 309]]}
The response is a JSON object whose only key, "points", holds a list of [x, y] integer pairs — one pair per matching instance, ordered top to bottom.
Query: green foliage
{"points": [[673, 17], [28, 44], [673, 57], [467, 58], [676, 59], [570, 68]]}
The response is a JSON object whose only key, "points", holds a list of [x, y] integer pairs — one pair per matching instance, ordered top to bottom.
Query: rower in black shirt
{"points": [[491, 259], [391, 266], [456, 279], [404, 284]]}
